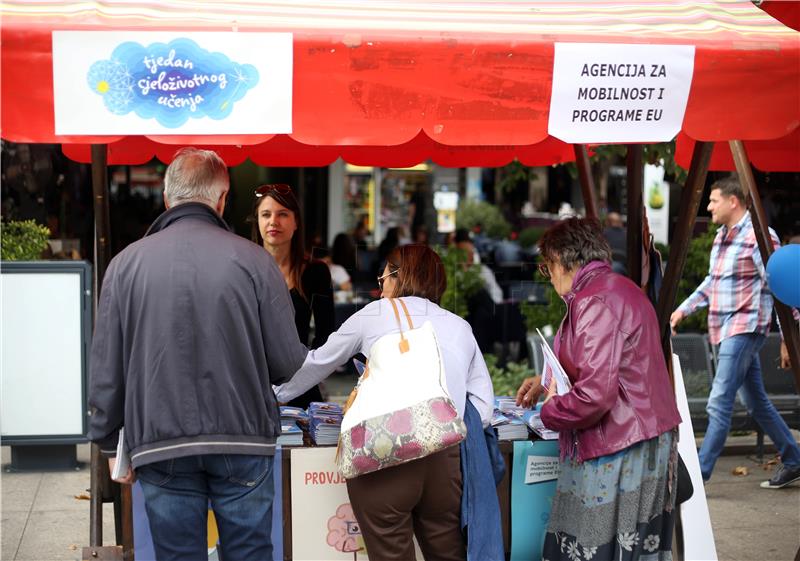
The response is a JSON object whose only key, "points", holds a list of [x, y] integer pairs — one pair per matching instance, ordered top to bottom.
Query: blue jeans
{"points": [[738, 368], [177, 494]]}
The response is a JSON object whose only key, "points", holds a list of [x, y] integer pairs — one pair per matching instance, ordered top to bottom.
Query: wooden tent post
{"points": [[586, 180], [691, 194], [635, 211], [101, 250], [788, 324], [102, 488]]}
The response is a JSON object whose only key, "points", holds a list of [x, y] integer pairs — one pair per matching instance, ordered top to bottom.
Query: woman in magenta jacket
{"points": [[617, 424]]}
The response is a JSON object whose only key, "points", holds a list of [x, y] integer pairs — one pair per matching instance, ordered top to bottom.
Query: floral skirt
{"points": [[617, 507]]}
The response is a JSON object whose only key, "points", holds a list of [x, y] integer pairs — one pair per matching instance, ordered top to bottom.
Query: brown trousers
{"points": [[422, 498]]}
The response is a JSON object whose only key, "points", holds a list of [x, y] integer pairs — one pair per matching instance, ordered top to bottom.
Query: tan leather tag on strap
{"points": [[404, 348]]}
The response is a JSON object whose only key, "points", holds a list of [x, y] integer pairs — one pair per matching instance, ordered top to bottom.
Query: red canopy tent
{"points": [[427, 78], [458, 82]]}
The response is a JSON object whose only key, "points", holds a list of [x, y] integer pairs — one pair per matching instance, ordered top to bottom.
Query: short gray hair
{"points": [[195, 176], [574, 242]]}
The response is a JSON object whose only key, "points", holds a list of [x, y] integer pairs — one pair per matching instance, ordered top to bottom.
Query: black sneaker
{"points": [[783, 476]]}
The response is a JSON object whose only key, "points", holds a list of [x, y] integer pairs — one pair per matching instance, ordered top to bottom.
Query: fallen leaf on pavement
{"points": [[741, 471], [83, 497], [73, 546]]}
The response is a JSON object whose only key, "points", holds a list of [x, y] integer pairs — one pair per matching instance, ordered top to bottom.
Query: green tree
{"points": [[472, 213]]}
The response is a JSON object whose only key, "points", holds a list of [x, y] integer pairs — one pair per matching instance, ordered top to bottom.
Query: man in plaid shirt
{"points": [[739, 315]]}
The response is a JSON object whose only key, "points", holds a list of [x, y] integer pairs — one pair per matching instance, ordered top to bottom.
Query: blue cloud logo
{"points": [[171, 82]]}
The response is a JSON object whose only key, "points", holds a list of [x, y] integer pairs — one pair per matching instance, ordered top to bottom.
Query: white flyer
{"points": [[553, 368], [123, 459]]}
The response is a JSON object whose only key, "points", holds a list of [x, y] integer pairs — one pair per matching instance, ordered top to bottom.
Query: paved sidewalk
{"points": [[43, 521]]}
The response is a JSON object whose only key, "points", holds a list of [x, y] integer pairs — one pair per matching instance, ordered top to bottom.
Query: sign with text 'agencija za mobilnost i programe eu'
{"points": [[125, 82], [605, 93]]}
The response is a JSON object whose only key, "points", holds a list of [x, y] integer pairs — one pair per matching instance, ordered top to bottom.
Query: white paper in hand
{"points": [[553, 369], [123, 460]]}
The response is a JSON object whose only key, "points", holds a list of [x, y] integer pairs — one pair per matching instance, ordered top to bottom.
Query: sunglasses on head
{"points": [[279, 188]]}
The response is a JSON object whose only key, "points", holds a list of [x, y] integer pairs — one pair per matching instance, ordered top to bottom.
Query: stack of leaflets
{"points": [[508, 405], [298, 414], [292, 418], [507, 419], [533, 419], [325, 422], [509, 426], [291, 434]]}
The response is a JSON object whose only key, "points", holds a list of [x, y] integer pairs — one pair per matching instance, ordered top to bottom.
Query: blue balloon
{"points": [[783, 274]]}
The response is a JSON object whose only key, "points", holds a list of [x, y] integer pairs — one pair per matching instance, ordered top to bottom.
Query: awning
{"points": [[454, 82]]}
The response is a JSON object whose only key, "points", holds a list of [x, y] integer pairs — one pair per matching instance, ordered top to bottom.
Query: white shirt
{"points": [[339, 275], [490, 283], [464, 366]]}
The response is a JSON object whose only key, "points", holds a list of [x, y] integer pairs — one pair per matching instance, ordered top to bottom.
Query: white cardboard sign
{"points": [[125, 82], [619, 92], [541, 468], [323, 523], [698, 534]]}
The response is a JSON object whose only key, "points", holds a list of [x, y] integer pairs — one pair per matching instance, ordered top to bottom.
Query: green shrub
{"points": [[472, 213], [529, 236], [22, 240], [694, 271], [462, 281], [539, 315], [506, 381]]}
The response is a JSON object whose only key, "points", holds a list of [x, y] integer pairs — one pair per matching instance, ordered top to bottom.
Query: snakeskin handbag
{"points": [[400, 410]]}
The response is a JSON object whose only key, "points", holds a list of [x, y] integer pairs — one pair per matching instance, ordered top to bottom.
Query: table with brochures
{"points": [[313, 519]]}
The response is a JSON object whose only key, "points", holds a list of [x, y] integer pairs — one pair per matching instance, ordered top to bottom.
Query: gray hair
{"points": [[195, 176], [575, 242]]}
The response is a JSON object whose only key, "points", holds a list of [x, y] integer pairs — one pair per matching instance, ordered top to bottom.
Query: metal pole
{"points": [[586, 179], [635, 211], [679, 245], [788, 325]]}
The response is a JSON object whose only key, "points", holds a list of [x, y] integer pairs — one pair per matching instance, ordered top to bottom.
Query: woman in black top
{"points": [[278, 227]]}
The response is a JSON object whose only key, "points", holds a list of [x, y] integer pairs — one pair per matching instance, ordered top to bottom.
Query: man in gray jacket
{"points": [[193, 328]]}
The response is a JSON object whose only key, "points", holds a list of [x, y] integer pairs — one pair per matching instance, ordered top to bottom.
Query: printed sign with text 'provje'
{"points": [[124, 82], [619, 92]]}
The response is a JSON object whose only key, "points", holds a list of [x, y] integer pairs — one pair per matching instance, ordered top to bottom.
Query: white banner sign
{"points": [[125, 82], [619, 92], [656, 202], [541, 468]]}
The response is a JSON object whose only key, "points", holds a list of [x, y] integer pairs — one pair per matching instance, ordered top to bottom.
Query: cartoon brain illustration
{"points": [[344, 533]]}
